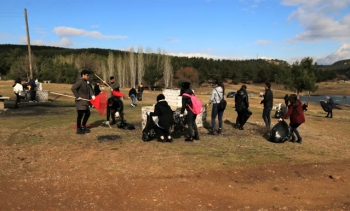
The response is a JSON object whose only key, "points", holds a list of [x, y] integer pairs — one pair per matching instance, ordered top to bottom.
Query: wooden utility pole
{"points": [[28, 41]]}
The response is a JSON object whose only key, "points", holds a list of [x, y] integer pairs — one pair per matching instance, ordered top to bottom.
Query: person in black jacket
{"points": [[97, 89], [32, 90], [132, 95], [268, 102], [241, 105], [115, 109], [191, 117], [165, 119]]}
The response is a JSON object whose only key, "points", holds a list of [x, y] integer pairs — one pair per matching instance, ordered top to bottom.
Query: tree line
{"points": [[63, 65]]}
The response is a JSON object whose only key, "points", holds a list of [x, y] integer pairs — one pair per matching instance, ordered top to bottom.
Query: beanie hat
{"points": [[84, 72], [160, 97]]}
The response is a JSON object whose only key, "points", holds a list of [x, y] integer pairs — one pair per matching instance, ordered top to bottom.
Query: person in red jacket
{"points": [[296, 115]]}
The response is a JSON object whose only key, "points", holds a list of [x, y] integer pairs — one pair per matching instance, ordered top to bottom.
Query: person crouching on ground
{"points": [[82, 92], [330, 106], [115, 109], [296, 114], [191, 117], [165, 119]]}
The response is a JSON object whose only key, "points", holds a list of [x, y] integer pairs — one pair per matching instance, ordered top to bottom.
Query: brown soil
{"points": [[50, 168]]}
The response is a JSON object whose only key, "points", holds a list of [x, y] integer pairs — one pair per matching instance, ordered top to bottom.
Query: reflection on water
{"points": [[336, 98]]}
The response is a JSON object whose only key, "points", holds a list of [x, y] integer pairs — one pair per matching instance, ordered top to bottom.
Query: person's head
{"points": [[85, 74], [111, 79], [18, 80], [97, 83], [267, 85], [184, 87], [244, 87], [160, 97], [327, 98], [293, 99]]}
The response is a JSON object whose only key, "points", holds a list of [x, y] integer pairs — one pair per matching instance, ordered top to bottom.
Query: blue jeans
{"points": [[133, 99], [215, 112], [267, 117]]}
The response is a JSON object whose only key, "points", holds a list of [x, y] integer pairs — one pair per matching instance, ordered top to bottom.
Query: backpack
{"points": [[196, 103]]}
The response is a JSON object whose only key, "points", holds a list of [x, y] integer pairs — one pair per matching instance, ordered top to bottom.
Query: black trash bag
{"points": [[179, 122], [126, 126], [148, 133], [280, 133]]}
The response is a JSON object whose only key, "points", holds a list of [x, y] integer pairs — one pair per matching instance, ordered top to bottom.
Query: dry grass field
{"points": [[46, 166]]}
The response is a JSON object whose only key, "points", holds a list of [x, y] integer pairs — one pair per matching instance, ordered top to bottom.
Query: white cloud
{"points": [[321, 19], [63, 31], [64, 42], [263, 42], [341, 54]]}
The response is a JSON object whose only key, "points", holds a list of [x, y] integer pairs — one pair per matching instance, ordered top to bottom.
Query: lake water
{"points": [[336, 98]]}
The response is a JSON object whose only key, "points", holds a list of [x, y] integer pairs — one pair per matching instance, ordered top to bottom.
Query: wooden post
{"points": [[28, 41]]}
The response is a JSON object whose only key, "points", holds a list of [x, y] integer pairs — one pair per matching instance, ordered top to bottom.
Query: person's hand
{"points": [[111, 90], [93, 97], [79, 98], [208, 105], [148, 113], [116, 114], [181, 115], [280, 120]]}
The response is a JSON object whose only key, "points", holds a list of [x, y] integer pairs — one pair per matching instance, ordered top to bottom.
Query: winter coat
{"points": [[18, 88], [83, 90], [132, 92], [216, 95], [268, 99], [241, 100], [186, 101], [164, 113], [296, 113]]}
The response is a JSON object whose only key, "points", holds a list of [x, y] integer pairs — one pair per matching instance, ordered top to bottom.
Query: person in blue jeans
{"points": [[132, 95], [216, 95], [268, 102]]}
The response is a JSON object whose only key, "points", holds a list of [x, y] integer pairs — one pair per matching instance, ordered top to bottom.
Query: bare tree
{"points": [[111, 63], [140, 65], [132, 66], [119, 69], [167, 72]]}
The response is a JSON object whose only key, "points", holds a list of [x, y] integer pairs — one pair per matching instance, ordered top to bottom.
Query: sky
{"points": [[287, 30]]}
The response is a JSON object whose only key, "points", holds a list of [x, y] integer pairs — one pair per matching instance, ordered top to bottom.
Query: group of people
{"points": [[32, 86], [83, 92]]}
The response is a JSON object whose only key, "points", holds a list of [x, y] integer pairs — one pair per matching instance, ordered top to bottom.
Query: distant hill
{"points": [[342, 68]]}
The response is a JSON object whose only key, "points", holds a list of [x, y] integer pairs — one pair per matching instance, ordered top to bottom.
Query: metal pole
{"points": [[28, 41]]}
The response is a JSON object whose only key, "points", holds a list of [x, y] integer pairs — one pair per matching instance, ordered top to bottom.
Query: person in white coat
{"points": [[18, 89]]}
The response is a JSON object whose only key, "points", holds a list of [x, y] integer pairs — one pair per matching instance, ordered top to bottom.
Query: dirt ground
{"points": [[46, 166]]}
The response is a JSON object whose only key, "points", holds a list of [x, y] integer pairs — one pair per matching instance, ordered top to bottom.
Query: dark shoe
{"points": [[326, 116], [331, 117], [241, 128], [86, 130], [80, 131], [219, 131], [211, 132], [196, 137], [293, 138], [161, 139], [169, 139], [189, 139], [300, 140]]}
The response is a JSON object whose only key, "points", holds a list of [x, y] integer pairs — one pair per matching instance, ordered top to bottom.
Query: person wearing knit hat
{"points": [[191, 117], [165, 119]]}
